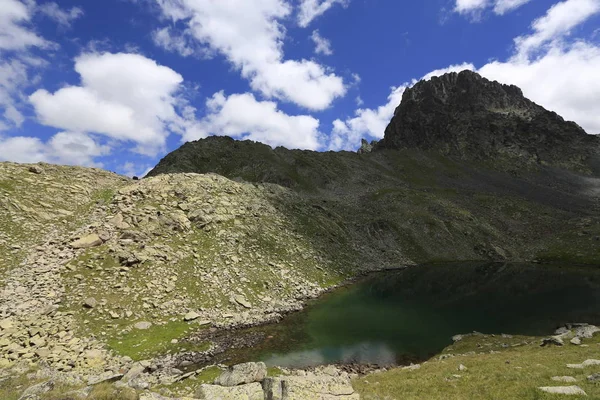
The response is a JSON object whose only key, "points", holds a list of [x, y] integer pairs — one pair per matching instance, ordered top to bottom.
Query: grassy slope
{"points": [[498, 368]]}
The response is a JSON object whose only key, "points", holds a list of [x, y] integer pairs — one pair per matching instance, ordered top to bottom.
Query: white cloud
{"points": [[504, 6], [474, 8], [311, 9], [60, 16], [559, 20], [14, 33], [250, 35], [174, 42], [322, 45], [127, 97], [242, 116], [371, 123], [63, 148]]}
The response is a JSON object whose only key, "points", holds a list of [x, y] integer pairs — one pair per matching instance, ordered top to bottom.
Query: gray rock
{"points": [[36, 169], [88, 241], [241, 300], [90, 302], [191, 316], [143, 325], [586, 331], [552, 340], [576, 341], [586, 363], [133, 372], [242, 373], [107, 376], [594, 377], [566, 379], [321, 387], [568, 390], [34, 391], [251, 391]]}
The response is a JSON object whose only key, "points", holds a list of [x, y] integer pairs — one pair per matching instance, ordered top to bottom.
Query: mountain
{"points": [[465, 115], [102, 271]]}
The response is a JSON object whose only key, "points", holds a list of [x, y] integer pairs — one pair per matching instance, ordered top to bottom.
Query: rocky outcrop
{"points": [[465, 115], [243, 373]]}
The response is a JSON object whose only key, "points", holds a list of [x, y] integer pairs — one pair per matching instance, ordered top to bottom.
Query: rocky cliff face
{"points": [[465, 115]]}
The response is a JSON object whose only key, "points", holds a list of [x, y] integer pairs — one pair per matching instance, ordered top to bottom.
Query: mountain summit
{"points": [[465, 115]]}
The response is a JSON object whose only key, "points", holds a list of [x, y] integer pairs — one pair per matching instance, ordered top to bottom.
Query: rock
{"points": [[366, 147], [35, 169], [88, 241], [241, 300], [90, 302], [191, 316], [7, 323], [142, 325], [586, 331], [552, 340], [576, 341], [586, 363], [462, 368], [133, 372], [243, 373], [107, 376], [594, 377], [566, 379], [309, 387], [568, 390], [251, 391], [34, 392], [156, 396]]}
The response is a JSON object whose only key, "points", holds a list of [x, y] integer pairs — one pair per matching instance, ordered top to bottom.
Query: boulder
{"points": [[36, 169], [86, 242], [241, 300], [90, 302], [191, 316], [143, 325], [586, 331], [552, 340], [243, 373], [594, 377], [566, 379], [320, 387], [568, 390], [251, 391], [34, 392]]}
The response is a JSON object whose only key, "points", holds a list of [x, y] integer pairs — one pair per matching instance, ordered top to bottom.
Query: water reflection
{"points": [[361, 353]]}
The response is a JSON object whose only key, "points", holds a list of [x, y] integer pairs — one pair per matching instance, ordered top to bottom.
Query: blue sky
{"points": [[120, 83]]}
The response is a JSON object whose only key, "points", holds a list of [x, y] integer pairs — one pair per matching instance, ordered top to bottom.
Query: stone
{"points": [[35, 169], [86, 242], [241, 300], [90, 302], [191, 316], [7, 323], [142, 325], [586, 331], [552, 340], [576, 341], [586, 363], [462, 368], [133, 372], [243, 373], [107, 376], [594, 377], [566, 379], [321, 387], [567, 390], [251, 391], [34, 392]]}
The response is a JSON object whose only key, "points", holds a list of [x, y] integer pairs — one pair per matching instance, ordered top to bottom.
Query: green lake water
{"points": [[406, 316]]}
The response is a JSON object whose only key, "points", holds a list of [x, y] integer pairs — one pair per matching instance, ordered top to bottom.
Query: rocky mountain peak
{"points": [[466, 115]]}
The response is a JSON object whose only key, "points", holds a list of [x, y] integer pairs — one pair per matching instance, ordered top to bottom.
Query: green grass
{"points": [[156, 341], [508, 373]]}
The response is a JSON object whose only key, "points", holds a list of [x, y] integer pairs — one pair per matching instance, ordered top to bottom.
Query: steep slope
{"points": [[465, 115]]}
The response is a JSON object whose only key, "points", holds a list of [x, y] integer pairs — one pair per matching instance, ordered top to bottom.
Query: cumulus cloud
{"points": [[474, 8], [311, 9], [15, 34], [249, 34], [322, 45], [127, 97], [242, 116], [371, 123], [63, 148]]}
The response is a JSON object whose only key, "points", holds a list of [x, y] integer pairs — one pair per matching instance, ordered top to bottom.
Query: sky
{"points": [[118, 84]]}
